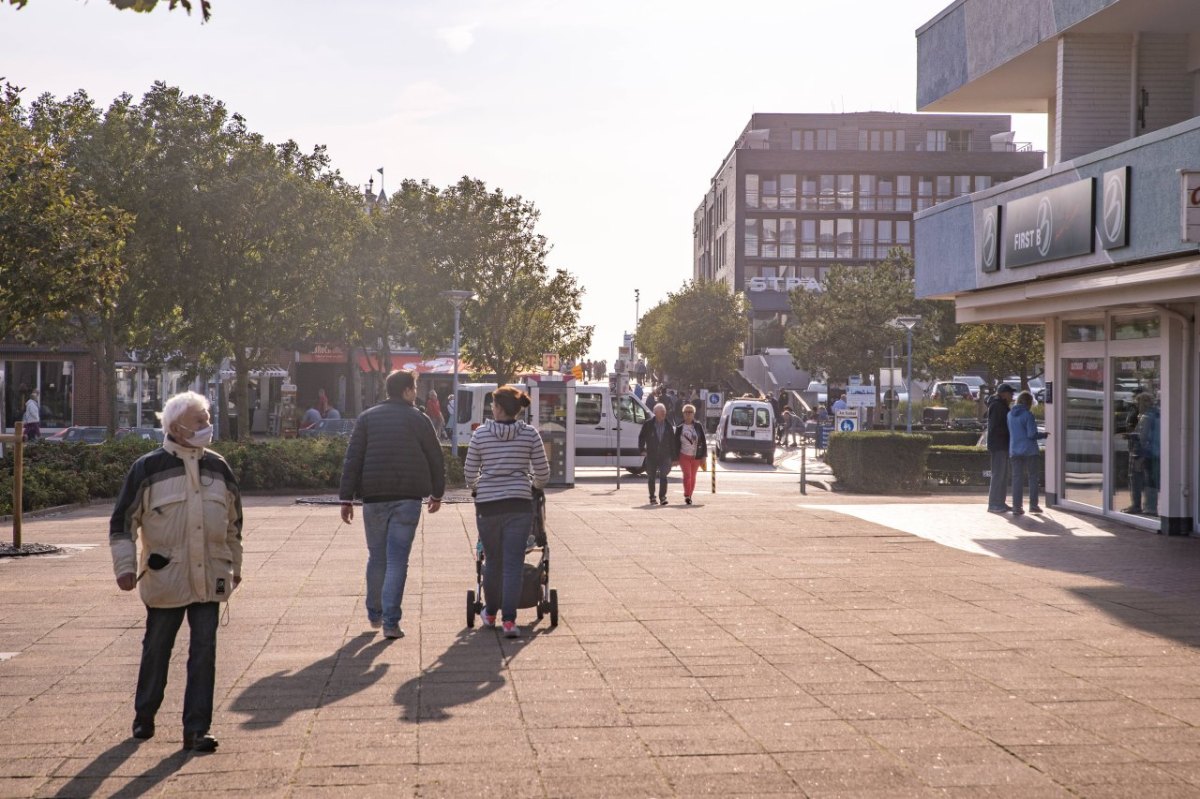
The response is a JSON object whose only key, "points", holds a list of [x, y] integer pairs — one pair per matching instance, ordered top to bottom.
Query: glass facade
{"points": [[55, 382]]}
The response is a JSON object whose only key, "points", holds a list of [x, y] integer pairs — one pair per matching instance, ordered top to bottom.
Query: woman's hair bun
{"points": [[524, 400]]}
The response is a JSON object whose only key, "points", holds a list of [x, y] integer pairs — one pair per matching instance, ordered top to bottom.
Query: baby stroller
{"points": [[535, 578]]}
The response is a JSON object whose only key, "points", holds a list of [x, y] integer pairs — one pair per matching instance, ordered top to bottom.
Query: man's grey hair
{"points": [[180, 404], [658, 405]]}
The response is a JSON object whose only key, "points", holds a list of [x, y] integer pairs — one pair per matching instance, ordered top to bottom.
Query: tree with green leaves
{"points": [[146, 5], [252, 231], [487, 243], [846, 327], [694, 337], [1001, 350]]}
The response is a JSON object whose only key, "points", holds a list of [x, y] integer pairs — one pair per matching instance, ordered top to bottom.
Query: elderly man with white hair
{"points": [[657, 443], [176, 533]]}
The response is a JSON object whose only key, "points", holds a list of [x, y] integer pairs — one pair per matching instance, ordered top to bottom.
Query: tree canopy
{"points": [[147, 5], [846, 327], [694, 337], [1001, 350]]}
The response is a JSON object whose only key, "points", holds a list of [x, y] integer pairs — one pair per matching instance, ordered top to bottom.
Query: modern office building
{"points": [[799, 193], [1099, 247]]}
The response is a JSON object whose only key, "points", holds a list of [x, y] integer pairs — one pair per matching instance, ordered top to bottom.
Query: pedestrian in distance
{"points": [[433, 409], [33, 417], [311, 417], [450, 420], [782, 422], [656, 443], [998, 444], [692, 449], [1149, 450], [1023, 453], [394, 460], [505, 460], [1137, 473], [176, 534]]}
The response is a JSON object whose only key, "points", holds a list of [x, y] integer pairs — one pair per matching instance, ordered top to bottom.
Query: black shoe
{"points": [[662, 500], [687, 500], [653, 501], [1035, 508], [1018, 512], [143, 729], [199, 742]]}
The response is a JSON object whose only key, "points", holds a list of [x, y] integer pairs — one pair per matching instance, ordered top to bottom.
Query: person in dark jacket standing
{"points": [[657, 443], [997, 444], [691, 448], [393, 462]]}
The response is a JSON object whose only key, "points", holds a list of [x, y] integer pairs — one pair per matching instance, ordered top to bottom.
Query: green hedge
{"points": [[952, 438], [878, 462], [963, 466], [65, 474]]}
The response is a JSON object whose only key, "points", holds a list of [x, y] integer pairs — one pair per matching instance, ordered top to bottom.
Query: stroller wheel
{"points": [[553, 607], [470, 608], [541, 610]]}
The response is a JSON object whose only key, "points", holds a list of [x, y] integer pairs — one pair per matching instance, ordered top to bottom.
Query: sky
{"points": [[610, 117]]}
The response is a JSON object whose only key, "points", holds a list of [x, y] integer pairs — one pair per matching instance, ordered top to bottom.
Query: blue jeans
{"points": [[1024, 467], [999, 484], [391, 528], [503, 537], [162, 624]]}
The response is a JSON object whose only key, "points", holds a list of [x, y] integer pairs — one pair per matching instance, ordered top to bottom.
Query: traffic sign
{"points": [[550, 361], [577, 370], [846, 422]]}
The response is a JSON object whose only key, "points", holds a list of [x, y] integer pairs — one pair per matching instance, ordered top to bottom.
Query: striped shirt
{"points": [[500, 460]]}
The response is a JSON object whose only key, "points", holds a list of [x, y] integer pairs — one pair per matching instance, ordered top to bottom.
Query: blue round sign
{"points": [[846, 426]]}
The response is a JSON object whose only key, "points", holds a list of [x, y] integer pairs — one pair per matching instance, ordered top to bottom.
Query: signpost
{"points": [[846, 422], [17, 439]]}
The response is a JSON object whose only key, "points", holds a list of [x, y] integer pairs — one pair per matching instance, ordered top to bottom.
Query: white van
{"points": [[596, 412], [747, 427]]}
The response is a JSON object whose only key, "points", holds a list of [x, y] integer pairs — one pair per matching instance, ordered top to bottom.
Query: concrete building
{"points": [[798, 193], [1100, 246]]}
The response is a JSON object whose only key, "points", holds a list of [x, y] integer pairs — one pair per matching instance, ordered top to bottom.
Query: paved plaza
{"points": [[759, 643]]}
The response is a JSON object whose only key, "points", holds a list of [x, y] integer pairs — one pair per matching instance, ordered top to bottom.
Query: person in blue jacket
{"points": [[1023, 453]]}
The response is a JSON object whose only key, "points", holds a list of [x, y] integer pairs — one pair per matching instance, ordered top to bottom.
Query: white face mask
{"points": [[201, 438]]}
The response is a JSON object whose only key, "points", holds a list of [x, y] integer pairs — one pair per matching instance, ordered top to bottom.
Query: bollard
{"points": [[17, 439], [804, 464], [713, 469]]}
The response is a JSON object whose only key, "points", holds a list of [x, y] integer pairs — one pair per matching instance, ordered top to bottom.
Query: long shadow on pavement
{"points": [[469, 670], [272, 700], [86, 782]]}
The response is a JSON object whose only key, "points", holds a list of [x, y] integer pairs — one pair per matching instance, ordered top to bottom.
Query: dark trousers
{"points": [[658, 472], [998, 487], [503, 536], [162, 624]]}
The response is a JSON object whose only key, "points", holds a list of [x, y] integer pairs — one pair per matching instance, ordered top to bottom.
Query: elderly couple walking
{"points": [[664, 445], [176, 529]]}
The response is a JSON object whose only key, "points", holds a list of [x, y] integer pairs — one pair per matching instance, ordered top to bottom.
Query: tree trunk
{"points": [[353, 382], [241, 394]]}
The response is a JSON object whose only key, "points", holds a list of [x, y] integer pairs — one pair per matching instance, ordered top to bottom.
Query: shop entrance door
{"points": [[1083, 431], [1134, 443]]}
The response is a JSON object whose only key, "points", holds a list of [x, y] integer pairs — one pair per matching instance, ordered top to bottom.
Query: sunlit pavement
{"points": [[759, 642]]}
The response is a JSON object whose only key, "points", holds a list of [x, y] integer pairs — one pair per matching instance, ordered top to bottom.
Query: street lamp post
{"points": [[457, 298], [637, 299], [908, 323]]}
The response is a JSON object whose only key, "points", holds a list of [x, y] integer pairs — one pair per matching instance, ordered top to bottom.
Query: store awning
{"points": [[413, 363], [270, 370]]}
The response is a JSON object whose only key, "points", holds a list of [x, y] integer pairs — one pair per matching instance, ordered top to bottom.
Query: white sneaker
{"points": [[486, 620], [511, 630]]}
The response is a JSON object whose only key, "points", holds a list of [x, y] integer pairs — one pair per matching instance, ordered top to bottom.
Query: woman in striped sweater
{"points": [[503, 455]]}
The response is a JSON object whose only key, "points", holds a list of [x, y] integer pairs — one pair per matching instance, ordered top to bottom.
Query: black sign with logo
{"points": [[1114, 209], [1050, 225], [989, 247]]}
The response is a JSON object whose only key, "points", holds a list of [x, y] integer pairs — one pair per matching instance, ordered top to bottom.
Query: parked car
{"points": [[975, 384], [949, 391], [328, 427], [144, 433], [78, 435]]}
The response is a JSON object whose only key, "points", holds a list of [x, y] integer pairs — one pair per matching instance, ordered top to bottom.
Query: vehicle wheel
{"points": [[720, 455], [769, 458], [634, 471], [553, 607], [470, 609], [540, 610]]}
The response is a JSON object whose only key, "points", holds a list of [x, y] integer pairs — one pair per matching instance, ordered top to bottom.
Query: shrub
{"points": [[951, 438], [877, 462], [957, 465], [454, 468]]}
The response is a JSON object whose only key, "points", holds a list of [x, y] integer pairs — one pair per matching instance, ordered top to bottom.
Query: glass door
{"points": [[1083, 431], [1134, 441]]}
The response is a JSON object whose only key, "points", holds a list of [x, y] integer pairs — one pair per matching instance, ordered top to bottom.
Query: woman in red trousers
{"points": [[692, 449]]}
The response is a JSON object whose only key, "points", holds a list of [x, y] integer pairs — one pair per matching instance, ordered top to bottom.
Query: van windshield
{"points": [[742, 417]]}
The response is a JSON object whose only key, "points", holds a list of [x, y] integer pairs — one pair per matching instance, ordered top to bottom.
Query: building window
{"points": [[821, 139], [935, 141], [959, 141], [982, 182], [828, 184], [962, 185], [943, 187], [751, 191], [770, 192], [787, 192], [866, 192], [924, 192], [808, 193], [845, 193], [904, 193], [885, 194], [904, 235], [883, 236], [751, 237], [770, 238], [787, 238], [808, 238], [845, 238], [866, 238], [825, 241], [1144, 325], [1079, 331], [55, 382]]}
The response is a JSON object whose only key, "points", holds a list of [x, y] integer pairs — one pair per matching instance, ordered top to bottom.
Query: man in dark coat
{"points": [[657, 443], [997, 444]]}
